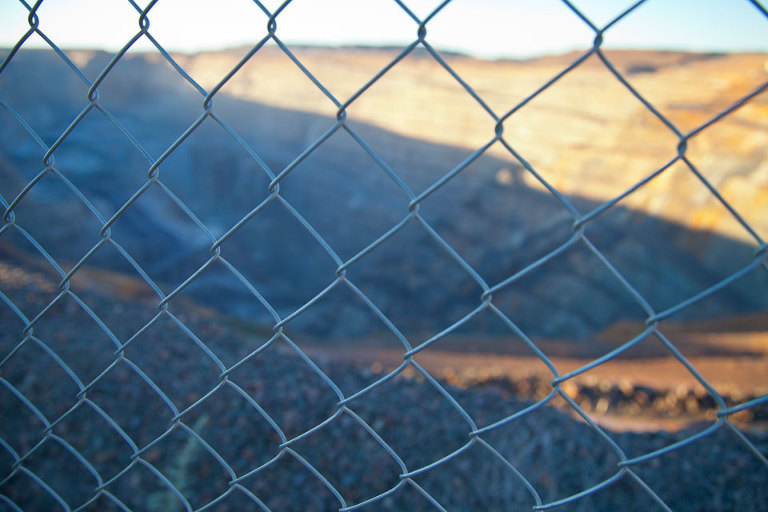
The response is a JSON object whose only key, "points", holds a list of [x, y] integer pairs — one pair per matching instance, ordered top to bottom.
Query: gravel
{"points": [[121, 444]]}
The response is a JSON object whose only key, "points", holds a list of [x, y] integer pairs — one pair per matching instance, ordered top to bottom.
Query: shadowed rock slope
{"points": [[493, 214]]}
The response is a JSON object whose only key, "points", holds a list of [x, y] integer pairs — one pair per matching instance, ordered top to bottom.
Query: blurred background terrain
{"points": [[670, 239]]}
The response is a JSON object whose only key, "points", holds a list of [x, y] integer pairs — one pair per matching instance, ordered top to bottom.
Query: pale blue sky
{"points": [[486, 28]]}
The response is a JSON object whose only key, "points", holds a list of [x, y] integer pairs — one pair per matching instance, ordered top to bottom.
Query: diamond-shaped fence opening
{"points": [[279, 276]]}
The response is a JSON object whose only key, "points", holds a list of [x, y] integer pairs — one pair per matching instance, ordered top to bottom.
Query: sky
{"points": [[483, 28]]}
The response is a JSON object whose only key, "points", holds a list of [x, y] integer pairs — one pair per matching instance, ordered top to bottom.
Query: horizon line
{"points": [[394, 47]]}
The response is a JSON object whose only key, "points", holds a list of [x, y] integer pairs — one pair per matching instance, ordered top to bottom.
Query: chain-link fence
{"points": [[166, 352]]}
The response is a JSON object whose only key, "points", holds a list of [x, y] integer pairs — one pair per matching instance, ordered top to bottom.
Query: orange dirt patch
{"points": [[734, 376]]}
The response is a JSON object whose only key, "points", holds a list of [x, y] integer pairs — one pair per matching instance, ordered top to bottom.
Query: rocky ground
{"points": [[204, 431]]}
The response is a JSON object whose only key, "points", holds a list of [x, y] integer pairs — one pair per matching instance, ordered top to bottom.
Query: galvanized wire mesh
{"points": [[44, 427]]}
